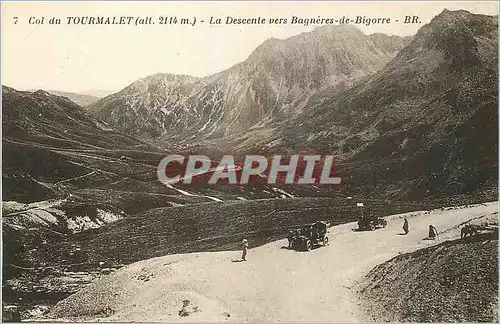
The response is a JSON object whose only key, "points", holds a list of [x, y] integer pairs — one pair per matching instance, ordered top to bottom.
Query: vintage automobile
{"points": [[370, 223], [309, 236]]}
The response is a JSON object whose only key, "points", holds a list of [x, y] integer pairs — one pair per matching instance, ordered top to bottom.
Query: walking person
{"points": [[405, 226], [432, 232], [244, 245]]}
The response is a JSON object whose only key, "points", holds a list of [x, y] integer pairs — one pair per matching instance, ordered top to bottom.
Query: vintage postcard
{"points": [[253, 161]]}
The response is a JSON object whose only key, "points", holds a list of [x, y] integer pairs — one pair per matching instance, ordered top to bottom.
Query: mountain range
{"points": [[274, 84], [386, 107], [407, 119]]}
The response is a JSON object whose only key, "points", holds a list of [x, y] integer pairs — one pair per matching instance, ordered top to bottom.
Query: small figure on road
{"points": [[405, 226], [432, 232], [291, 234], [244, 245]]}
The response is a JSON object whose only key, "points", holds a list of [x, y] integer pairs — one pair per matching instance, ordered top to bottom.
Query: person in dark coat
{"points": [[405, 226], [432, 232], [291, 234], [244, 245]]}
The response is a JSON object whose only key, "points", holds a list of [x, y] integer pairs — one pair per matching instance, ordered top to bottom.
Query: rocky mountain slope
{"points": [[273, 84], [424, 125], [52, 146], [456, 281]]}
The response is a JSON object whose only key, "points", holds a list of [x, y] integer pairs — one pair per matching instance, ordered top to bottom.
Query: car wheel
{"points": [[325, 240], [308, 245]]}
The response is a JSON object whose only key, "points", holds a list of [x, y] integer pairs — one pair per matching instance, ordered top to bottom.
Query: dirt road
{"points": [[275, 284]]}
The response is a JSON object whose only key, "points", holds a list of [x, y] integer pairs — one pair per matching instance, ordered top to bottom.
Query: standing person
{"points": [[405, 226], [432, 232], [290, 238], [244, 244]]}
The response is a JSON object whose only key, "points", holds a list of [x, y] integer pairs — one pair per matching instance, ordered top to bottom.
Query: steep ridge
{"points": [[273, 84], [425, 125]]}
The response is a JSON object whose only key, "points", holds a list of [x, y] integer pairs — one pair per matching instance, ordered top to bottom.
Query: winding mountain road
{"points": [[275, 284]]}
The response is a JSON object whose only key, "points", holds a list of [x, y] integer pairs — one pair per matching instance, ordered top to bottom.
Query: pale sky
{"points": [[109, 57]]}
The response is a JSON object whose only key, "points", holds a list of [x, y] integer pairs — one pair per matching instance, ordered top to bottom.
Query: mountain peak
{"points": [[453, 13], [451, 17], [458, 19], [341, 28], [318, 31], [462, 38], [338, 40], [167, 77], [161, 80], [274, 83], [41, 92]]}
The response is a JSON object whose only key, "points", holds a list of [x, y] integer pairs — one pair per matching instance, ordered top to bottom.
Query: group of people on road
{"points": [[406, 228], [432, 230]]}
